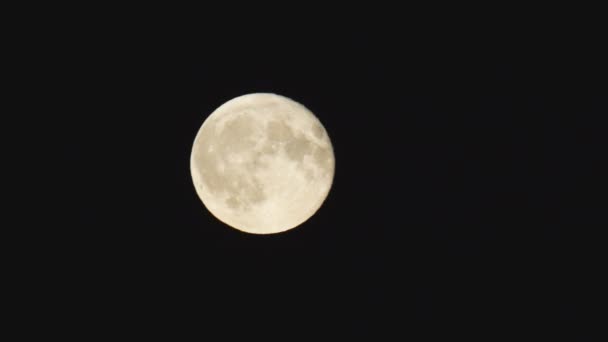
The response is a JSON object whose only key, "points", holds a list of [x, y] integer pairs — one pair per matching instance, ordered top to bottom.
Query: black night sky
{"points": [[469, 185]]}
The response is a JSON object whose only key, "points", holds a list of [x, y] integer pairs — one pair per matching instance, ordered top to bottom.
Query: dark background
{"points": [[468, 195]]}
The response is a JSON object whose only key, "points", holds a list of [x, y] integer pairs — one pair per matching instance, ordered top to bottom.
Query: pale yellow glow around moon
{"points": [[262, 163]]}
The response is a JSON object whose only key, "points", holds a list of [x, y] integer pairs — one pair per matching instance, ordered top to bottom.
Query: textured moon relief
{"points": [[262, 163]]}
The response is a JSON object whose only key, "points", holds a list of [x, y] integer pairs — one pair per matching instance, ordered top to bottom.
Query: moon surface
{"points": [[262, 163]]}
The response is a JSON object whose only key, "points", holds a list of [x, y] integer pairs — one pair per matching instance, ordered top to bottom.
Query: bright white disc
{"points": [[262, 163]]}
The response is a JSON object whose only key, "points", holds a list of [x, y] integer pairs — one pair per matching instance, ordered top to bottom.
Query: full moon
{"points": [[262, 163]]}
